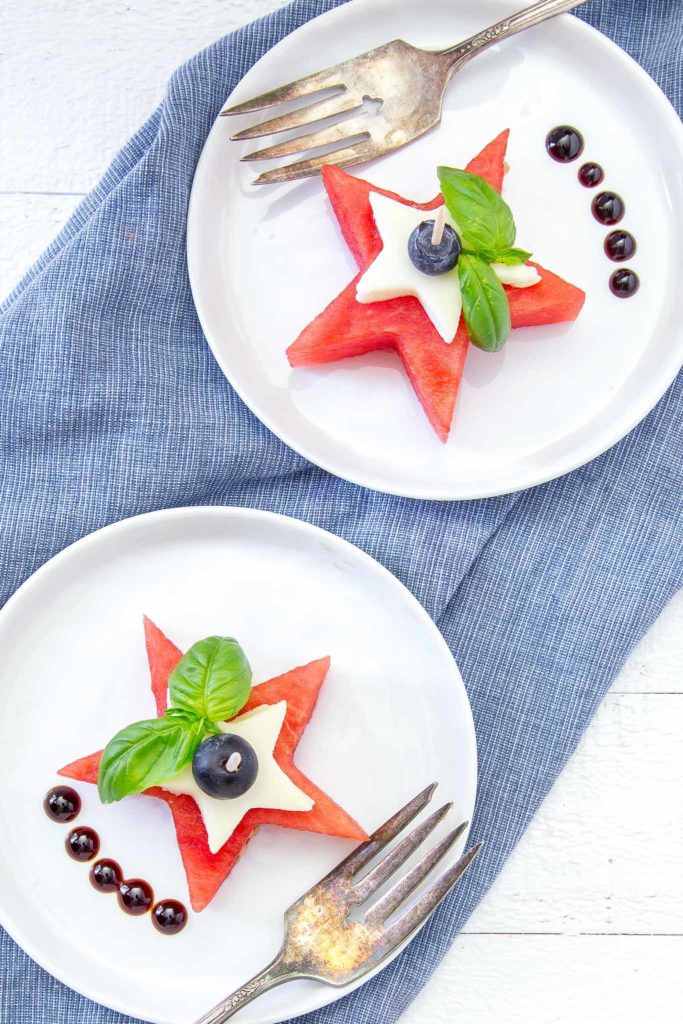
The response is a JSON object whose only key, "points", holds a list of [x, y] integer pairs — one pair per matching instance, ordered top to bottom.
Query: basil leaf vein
{"points": [[484, 218], [485, 305], [213, 679], [146, 754]]}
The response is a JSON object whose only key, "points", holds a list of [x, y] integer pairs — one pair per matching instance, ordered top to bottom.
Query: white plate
{"points": [[263, 262], [392, 716]]}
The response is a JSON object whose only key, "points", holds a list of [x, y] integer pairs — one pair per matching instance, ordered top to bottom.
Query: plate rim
{"points": [[620, 425], [231, 514]]}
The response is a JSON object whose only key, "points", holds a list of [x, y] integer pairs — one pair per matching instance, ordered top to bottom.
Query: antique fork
{"points": [[405, 83], [328, 940]]}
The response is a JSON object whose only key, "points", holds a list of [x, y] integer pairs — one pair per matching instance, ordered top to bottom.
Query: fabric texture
{"points": [[112, 405]]}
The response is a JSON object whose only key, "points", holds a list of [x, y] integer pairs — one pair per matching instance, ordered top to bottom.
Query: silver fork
{"points": [[406, 83], [326, 941]]}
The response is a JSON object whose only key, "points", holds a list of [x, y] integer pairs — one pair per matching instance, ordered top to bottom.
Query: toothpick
{"points": [[439, 225]]}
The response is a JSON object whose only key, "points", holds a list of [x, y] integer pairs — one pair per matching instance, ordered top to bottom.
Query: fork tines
{"points": [[351, 133], [359, 890]]}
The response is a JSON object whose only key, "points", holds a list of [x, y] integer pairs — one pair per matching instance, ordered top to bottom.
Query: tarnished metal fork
{"points": [[402, 83], [327, 939]]}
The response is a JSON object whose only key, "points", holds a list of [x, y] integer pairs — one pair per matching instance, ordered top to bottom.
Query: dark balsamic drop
{"points": [[564, 144], [591, 175], [608, 208], [620, 246], [624, 283], [62, 804], [82, 843], [106, 876], [135, 896], [169, 917]]}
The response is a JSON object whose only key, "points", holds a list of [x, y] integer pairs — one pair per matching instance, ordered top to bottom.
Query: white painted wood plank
{"points": [[77, 79], [29, 224], [656, 666], [604, 851], [526, 979]]}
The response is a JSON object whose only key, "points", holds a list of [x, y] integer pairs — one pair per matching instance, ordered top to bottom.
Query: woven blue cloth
{"points": [[111, 404]]}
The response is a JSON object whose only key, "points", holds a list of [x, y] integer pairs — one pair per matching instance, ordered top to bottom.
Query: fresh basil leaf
{"points": [[484, 219], [512, 257], [484, 303], [213, 679], [182, 714], [145, 754]]}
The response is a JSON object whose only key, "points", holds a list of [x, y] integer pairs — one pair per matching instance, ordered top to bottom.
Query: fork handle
{"points": [[527, 18], [274, 974]]}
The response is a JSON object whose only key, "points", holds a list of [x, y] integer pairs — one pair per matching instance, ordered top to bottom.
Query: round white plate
{"points": [[265, 261], [392, 716]]}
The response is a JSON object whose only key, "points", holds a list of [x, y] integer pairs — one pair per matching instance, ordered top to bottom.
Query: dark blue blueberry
{"points": [[434, 259], [225, 766]]}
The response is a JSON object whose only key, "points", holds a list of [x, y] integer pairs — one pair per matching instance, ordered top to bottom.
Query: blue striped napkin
{"points": [[111, 404]]}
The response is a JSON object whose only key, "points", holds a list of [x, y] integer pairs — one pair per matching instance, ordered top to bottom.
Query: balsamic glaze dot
{"points": [[564, 143], [591, 175], [608, 208], [620, 246], [624, 283], [62, 804], [82, 843], [106, 875], [135, 896], [169, 917]]}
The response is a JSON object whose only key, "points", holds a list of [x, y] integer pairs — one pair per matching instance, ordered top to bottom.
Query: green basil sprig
{"points": [[484, 219], [487, 231], [484, 304], [212, 680], [210, 684], [145, 754]]}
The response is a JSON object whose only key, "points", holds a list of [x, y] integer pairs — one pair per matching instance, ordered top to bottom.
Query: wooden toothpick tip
{"points": [[439, 225]]}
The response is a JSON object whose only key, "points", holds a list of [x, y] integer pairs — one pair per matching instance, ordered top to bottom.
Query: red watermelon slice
{"points": [[349, 328], [207, 871]]}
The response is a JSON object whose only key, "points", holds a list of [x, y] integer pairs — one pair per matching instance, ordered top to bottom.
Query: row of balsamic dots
{"points": [[565, 144], [134, 895]]}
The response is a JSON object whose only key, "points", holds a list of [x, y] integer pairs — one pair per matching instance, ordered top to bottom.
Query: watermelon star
{"points": [[349, 327], [286, 704]]}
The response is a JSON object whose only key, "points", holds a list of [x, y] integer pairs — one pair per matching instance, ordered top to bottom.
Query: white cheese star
{"points": [[392, 273], [272, 789]]}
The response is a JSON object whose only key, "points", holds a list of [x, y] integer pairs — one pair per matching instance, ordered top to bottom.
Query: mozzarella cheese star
{"points": [[392, 274], [272, 788]]}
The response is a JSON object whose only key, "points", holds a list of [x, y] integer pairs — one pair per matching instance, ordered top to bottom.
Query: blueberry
{"points": [[433, 259], [225, 766]]}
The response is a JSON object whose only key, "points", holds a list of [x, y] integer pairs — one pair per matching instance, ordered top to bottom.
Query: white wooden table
{"points": [[586, 922]]}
